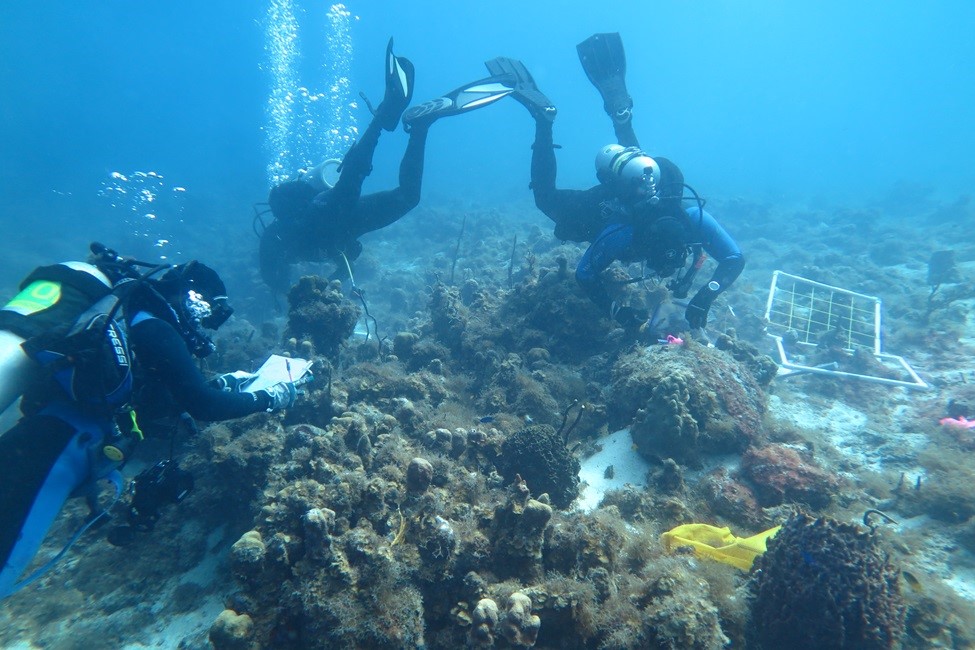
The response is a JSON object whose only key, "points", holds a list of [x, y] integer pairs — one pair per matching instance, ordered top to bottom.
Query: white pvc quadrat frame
{"points": [[806, 309]]}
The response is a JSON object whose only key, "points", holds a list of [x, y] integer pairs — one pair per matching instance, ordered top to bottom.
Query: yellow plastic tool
{"points": [[718, 543]]}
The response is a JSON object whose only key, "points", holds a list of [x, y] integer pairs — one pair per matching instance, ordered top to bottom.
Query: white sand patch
{"points": [[969, 337], [854, 433], [628, 467], [940, 558], [963, 583], [170, 629], [173, 629]]}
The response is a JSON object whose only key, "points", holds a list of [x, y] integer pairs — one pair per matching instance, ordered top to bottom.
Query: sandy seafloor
{"points": [[883, 445]]}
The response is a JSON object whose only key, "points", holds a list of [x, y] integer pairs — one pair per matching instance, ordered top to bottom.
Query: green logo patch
{"points": [[37, 296]]}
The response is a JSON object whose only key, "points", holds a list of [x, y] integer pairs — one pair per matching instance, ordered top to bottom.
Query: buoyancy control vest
{"points": [[60, 332]]}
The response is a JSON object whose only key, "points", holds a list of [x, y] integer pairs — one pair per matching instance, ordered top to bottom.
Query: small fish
{"points": [[486, 419], [912, 581]]}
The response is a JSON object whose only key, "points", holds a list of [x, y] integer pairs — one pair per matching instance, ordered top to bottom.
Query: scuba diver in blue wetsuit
{"points": [[637, 212], [315, 221], [88, 345]]}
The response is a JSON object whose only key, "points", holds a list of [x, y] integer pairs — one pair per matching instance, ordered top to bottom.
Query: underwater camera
{"points": [[157, 486]]}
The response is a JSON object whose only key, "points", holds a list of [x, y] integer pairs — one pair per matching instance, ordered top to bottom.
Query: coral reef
{"points": [[318, 311], [553, 313], [762, 366], [685, 401], [946, 492], [420, 494], [731, 498], [517, 533], [825, 584], [483, 623], [518, 625], [232, 632]]}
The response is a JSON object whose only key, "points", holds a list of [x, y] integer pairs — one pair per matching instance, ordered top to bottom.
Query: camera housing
{"points": [[161, 484]]}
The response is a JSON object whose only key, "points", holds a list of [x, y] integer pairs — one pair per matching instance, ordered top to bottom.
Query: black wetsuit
{"points": [[314, 227], [168, 381]]}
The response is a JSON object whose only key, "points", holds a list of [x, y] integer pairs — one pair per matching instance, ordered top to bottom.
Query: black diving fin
{"points": [[604, 61], [399, 89], [525, 92], [466, 98]]}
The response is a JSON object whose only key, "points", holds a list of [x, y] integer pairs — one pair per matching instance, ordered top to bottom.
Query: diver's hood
{"points": [[667, 245], [165, 299]]}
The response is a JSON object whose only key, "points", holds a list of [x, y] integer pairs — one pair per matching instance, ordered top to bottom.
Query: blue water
{"points": [[833, 102]]}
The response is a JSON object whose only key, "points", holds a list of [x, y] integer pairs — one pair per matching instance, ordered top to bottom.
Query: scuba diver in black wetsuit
{"points": [[637, 211], [314, 221], [167, 319], [78, 421]]}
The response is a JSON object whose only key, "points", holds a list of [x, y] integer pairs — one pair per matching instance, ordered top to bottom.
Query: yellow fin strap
{"points": [[718, 543]]}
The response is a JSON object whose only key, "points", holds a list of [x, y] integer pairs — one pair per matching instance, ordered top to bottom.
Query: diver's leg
{"points": [[625, 135], [356, 165], [544, 168], [380, 209], [576, 213], [38, 471]]}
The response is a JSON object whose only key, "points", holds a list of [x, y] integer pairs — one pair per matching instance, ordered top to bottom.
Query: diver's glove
{"points": [[700, 305], [631, 317], [233, 382], [279, 396]]}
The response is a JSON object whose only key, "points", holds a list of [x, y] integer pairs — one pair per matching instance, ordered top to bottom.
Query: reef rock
{"points": [[318, 311], [682, 401], [781, 474], [518, 533], [519, 626], [232, 631]]}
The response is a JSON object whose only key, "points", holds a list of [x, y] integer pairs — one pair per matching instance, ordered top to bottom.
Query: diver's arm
{"points": [[609, 246], [720, 246], [161, 351]]}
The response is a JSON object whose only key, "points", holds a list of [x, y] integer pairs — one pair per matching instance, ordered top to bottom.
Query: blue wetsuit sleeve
{"points": [[611, 244], [719, 245], [161, 352]]}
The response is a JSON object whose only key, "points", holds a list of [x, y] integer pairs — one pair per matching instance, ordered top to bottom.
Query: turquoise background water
{"points": [[832, 102]]}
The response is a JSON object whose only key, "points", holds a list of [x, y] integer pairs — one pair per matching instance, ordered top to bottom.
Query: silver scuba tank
{"points": [[324, 175], [16, 368]]}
